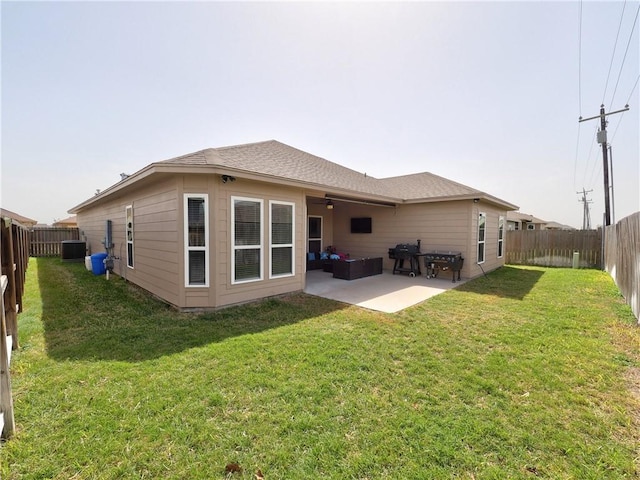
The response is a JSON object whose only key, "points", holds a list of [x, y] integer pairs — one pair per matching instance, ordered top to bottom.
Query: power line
{"points": [[614, 51], [625, 54], [580, 61], [633, 90], [622, 116], [602, 139], [593, 142], [575, 162], [586, 215]]}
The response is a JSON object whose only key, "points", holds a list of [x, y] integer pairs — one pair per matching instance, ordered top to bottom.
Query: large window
{"points": [[482, 224], [196, 228], [129, 234], [314, 234], [500, 237], [246, 239], [282, 255]]}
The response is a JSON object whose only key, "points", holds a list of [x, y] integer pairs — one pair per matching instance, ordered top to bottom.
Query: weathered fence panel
{"points": [[47, 242], [554, 248], [14, 258], [622, 258]]}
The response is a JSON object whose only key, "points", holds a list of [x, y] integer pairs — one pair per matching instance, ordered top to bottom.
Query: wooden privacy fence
{"points": [[47, 242], [554, 248], [14, 257], [622, 258]]}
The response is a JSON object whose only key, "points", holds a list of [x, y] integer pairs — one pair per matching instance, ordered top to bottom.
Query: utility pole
{"points": [[602, 139], [586, 216]]}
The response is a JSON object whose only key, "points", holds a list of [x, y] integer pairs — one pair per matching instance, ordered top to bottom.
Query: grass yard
{"points": [[527, 373]]}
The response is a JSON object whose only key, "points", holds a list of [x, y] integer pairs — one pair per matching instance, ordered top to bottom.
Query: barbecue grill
{"points": [[408, 252], [436, 262]]}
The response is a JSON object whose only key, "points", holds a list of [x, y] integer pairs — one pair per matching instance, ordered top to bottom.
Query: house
{"points": [[24, 221], [524, 221], [69, 222], [229, 225]]}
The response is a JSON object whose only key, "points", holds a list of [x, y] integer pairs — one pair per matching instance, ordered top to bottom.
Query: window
{"points": [[482, 223], [531, 226], [196, 231], [314, 232], [129, 234], [500, 237], [246, 239], [281, 261]]}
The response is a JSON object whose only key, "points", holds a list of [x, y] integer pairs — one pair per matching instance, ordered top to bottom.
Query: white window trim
{"points": [[501, 222], [483, 242], [282, 245], [234, 247], [187, 248], [130, 261]]}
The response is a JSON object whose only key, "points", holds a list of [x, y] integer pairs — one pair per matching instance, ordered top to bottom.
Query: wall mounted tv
{"points": [[361, 225]]}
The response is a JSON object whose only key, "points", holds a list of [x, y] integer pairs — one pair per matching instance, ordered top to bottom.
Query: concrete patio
{"points": [[385, 293]]}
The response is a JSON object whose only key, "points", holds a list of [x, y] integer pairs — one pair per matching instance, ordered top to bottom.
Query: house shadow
{"points": [[506, 282], [89, 318]]}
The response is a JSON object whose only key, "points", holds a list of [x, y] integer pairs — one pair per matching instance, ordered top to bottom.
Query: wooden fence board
{"points": [[47, 242], [554, 248], [622, 258]]}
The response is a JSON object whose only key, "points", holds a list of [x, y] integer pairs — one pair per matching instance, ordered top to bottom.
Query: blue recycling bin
{"points": [[97, 263]]}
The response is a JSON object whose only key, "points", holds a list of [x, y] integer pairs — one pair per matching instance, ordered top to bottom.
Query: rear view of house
{"points": [[228, 225]]}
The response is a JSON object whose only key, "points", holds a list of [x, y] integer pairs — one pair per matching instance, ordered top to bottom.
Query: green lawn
{"points": [[523, 374]]}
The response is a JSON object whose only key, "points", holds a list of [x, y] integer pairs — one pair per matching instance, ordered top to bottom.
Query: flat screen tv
{"points": [[361, 225]]}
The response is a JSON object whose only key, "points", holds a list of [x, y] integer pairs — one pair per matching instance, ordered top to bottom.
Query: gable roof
{"points": [[275, 161], [518, 216], [17, 217]]}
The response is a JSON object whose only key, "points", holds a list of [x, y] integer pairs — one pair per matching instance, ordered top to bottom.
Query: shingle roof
{"points": [[276, 159], [278, 162], [17, 217]]}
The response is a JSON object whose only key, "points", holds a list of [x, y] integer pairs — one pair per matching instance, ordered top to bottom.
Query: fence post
{"points": [[9, 269], [6, 398]]}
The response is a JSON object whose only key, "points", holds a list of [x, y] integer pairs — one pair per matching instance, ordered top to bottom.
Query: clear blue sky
{"points": [[484, 93]]}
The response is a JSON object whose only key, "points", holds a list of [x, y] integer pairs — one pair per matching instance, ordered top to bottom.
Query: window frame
{"points": [[127, 229], [501, 232], [315, 239], [483, 242], [282, 245], [235, 247], [188, 248]]}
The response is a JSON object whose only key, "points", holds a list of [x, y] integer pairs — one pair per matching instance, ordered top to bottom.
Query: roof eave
{"points": [[469, 196]]}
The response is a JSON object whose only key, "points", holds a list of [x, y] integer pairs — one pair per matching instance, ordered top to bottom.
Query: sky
{"points": [[487, 94]]}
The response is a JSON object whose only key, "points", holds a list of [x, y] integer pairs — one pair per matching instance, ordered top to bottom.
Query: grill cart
{"points": [[409, 253], [436, 262]]}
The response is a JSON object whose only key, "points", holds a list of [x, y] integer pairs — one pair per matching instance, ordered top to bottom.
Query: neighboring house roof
{"points": [[275, 161], [514, 216], [17, 217], [67, 222], [558, 226]]}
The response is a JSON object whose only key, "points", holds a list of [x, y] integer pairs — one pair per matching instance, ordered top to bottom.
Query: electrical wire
{"points": [[635, 20], [580, 61], [632, 90], [604, 94], [622, 114], [593, 142], [575, 162]]}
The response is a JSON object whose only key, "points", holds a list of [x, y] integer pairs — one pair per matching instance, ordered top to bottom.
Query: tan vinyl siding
{"points": [[442, 226], [156, 266], [227, 293]]}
